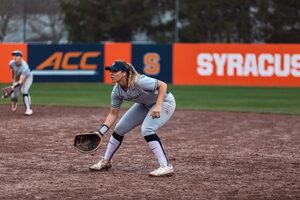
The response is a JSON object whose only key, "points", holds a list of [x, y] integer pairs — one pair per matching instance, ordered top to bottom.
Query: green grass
{"points": [[214, 98], [244, 99]]}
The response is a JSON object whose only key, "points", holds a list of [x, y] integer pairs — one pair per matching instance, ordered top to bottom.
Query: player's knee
{"points": [[24, 91], [119, 129], [147, 131]]}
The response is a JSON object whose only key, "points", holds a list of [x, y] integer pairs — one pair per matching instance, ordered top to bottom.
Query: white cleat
{"points": [[14, 106], [28, 112], [101, 165], [163, 171]]}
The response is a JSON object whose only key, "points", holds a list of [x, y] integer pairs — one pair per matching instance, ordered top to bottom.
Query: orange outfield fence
{"points": [[5, 56], [236, 64], [274, 65]]}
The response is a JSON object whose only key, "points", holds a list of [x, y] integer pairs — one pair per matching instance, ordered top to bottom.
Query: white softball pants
{"points": [[23, 89], [139, 114]]}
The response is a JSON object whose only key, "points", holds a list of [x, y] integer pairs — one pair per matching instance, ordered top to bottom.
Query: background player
{"points": [[22, 79], [153, 107]]}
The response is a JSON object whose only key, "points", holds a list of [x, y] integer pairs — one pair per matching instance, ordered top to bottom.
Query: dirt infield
{"points": [[216, 155]]}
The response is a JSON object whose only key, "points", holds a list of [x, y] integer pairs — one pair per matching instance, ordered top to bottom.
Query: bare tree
{"points": [[8, 17], [45, 23], [46, 27]]}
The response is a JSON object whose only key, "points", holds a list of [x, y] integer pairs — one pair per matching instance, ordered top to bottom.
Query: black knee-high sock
{"points": [[14, 99], [27, 101], [113, 145], [157, 148]]}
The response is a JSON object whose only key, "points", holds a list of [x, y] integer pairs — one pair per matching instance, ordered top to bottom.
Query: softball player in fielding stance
{"points": [[22, 80], [153, 107]]}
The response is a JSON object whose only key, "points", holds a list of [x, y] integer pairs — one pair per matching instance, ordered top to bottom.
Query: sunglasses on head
{"points": [[114, 71]]}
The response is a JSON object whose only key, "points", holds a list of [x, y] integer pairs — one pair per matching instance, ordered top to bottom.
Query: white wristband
{"points": [[103, 129]]}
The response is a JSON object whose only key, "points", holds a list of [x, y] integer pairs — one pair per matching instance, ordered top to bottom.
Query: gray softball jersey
{"points": [[22, 69], [144, 92]]}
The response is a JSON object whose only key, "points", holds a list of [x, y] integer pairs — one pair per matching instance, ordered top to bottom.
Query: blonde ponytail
{"points": [[133, 75]]}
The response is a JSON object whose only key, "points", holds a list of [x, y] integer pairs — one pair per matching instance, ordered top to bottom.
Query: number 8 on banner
{"points": [[151, 63]]}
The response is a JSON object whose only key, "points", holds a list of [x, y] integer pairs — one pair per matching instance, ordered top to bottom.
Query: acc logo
{"points": [[59, 59]]}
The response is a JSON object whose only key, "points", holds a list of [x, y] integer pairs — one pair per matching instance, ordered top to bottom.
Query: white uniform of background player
{"points": [[22, 80], [153, 107]]}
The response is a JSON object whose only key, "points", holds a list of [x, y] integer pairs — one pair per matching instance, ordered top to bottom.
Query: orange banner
{"points": [[115, 51], [5, 56], [236, 64]]}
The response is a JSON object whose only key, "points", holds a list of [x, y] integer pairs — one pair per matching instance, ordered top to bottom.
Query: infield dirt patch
{"points": [[216, 155]]}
